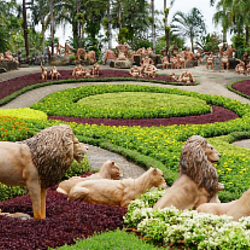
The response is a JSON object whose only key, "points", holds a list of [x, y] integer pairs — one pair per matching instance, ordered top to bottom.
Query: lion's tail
{"points": [[78, 193]]}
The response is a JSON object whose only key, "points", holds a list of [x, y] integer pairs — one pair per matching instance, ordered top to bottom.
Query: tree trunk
{"points": [[120, 17], [79, 24], [153, 24], [51, 26], [109, 27], [25, 29], [166, 31], [43, 34], [224, 35], [247, 35], [192, 43]]}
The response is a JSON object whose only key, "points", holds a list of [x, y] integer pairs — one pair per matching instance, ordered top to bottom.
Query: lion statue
{"points": [[40, 162], [109, 170], [197, 181], [117, 192], [237, 208]]}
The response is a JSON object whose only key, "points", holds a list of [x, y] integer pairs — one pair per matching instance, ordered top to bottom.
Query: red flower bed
{"points": [[13, 85], [243, 87], [219, 114], [65, 221]]}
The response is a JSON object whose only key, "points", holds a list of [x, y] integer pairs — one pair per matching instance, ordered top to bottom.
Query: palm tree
{"points": [[241, 9], [40, 11], [223, 16], [153, 23], [51, 25], [189, 25], [25, 29], [167, 31]]}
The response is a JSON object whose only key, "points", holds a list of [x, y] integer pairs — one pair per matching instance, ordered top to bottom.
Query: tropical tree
{"points": [[241, 10], [39, 14], [223, 16], [133, 20], [153, 23], [51, 25], [189, 25], [166, 27], [25, 28]]}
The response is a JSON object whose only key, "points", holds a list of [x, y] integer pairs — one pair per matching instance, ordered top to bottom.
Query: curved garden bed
{"points": [[241, 87], [12, 88], [152, 146]]}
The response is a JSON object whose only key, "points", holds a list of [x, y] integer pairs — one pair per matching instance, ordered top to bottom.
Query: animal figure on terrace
{"points": [[80, 54], [91, 56], [241, 67], [96, 69], [78, 71], [135, 71], [44, 73], [54, 73], [88, 73], [173, 76], [187, 77], [40, 162], [109, 170], [197, 181], [117, 192], [237, 208]]}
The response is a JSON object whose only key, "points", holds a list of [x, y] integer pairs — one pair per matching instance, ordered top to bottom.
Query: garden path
{"points": [[211, 82]]}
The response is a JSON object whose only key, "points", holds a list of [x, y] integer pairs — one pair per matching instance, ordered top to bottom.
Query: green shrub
{"points": [[117, 240]]}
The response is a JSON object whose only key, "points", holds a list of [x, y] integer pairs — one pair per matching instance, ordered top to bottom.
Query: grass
{"points": [[141, 100], [117, 240]]}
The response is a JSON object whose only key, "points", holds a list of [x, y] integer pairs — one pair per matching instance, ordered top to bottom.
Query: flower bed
{"points": [[241, 87], [12, 88], [65, 103], [219, 114], [65, 221], [190, 229]]}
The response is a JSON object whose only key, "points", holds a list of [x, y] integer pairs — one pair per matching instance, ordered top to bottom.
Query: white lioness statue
{"points": [[109, 170], [117, 192], [237, 208]]}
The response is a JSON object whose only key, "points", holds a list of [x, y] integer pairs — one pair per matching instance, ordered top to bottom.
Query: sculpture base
{"points": [[60, 60], [82, 62], [191, 63], [120, 64], [10, 65], [24, 66], [218, 66], [2, 70]]}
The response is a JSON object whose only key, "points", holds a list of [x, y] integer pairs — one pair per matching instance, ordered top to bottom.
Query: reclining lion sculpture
{"points": [[40, 162], [109, 170], [197, 182], [117, 192], [237, 208]]}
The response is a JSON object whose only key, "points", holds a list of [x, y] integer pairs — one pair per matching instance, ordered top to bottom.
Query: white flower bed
{"points": [[198, 230]]}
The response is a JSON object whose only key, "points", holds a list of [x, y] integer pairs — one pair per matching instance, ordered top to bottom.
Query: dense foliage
{"points": [[69, 100], [170, 226]]}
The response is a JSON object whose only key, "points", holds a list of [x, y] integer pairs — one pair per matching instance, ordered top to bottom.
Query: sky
{"points": [[179, 5]]}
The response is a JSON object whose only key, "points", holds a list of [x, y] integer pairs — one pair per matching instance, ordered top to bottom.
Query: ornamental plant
{"points": [[170, 226]]}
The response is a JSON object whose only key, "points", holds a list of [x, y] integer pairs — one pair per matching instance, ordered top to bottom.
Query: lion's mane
{"points": [[52, 153], [194, 164]]}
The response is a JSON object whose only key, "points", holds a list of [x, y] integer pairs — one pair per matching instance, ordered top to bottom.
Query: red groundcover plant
{"points": [[13, 85], [243, 87], [219, 114], [65, 221]]}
